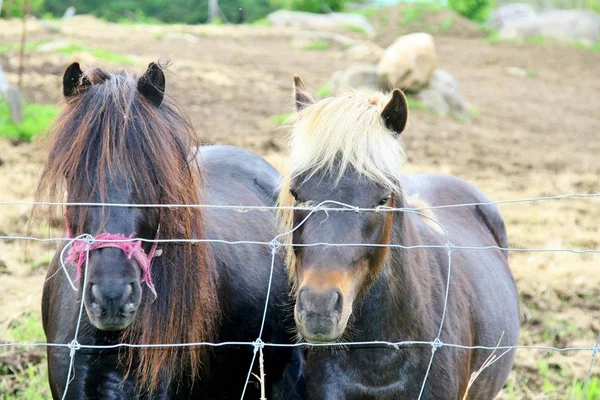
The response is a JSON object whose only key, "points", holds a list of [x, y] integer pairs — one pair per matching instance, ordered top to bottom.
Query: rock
{"points": [[69, 13], [509, 14], [321, 21], [563, 25], [305, 38], [364, 53], [409, 62], [516, 71], [358, 77], [444, 83], [433, 100]]}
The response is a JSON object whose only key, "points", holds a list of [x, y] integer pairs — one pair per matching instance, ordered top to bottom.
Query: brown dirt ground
{"points": [[532, 136]]}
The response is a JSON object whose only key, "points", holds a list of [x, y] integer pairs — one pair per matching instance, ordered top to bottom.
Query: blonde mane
{"points": [[343, 131], [334, 134]]}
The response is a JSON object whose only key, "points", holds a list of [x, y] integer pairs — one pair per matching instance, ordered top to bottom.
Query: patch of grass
{"points": [[417, 11], [368, 12], [261, 22], [447, 24], [357, 29], [159, 35], [494, 38], [536, 40], [317, 45], [29, 47], [98, 53], [532, 73], [324, 91], [414, 104], [474, 112], [36, 118], [279, 119], [40, 263], [26, 329], [29, 380], [593, 389]]}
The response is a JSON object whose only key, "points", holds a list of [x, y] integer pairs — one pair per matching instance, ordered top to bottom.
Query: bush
{"points": [[315, 6], [14, 8], [476, 10]]}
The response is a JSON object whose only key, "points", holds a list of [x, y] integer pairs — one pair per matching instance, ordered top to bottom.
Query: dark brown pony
{"points": [[119, 140], [347, 149]]}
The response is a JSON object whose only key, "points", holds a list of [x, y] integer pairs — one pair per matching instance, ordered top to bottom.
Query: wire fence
{"points": [[275, 245]]}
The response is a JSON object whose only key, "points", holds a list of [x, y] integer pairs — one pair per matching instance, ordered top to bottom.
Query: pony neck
{"points": [[394, 308]]}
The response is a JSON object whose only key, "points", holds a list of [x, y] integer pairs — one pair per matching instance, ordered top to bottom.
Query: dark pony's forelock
{"points": [[108, 129]]}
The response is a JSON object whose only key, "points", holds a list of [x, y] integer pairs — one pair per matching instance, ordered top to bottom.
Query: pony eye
{"points": [[294, 194], [384, 201]]}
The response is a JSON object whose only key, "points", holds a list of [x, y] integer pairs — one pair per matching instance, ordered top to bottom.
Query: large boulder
{"points": [[509, 14], [335, 21], [564, 25], [409, 62], [357, 77], [443, 95]]}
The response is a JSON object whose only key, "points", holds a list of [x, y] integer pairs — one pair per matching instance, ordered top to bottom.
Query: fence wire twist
{"points": [[275, 244]]}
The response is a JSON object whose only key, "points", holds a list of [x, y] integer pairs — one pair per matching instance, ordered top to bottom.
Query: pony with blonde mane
{"points": [[369, 276]]}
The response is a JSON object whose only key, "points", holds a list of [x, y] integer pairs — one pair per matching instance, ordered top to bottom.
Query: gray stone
{"points": [[69, 13], [509, 14], [321, 21], [563, 25], [358, 77], [442, 82], [12, 95], [433, 100]]}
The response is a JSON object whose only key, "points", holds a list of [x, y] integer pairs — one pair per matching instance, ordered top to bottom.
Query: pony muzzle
{"points": [[321, 315]]}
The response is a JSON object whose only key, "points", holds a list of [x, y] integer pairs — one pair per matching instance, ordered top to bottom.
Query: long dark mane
{"points": [[109, 128]]}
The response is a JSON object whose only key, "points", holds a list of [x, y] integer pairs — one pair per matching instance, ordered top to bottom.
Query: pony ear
{"points": [[71, 80], [152, 84], [303, 99], [395, 112]]}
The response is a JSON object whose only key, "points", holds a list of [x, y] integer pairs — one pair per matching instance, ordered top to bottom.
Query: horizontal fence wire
{"points": [[275, 244]]}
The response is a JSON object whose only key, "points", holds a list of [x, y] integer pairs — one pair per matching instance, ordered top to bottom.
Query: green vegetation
{"points": [[315, 6], [477, 10], [169, 11], [416, 12], [261, 22], [447, 24], [356, 29], [495, 38], [318, 45], [30, 46], [98, 53], [532, 73], [324, 91], [414, 104], [36, 118], [280, 119], [31, 378], [593, 389]]}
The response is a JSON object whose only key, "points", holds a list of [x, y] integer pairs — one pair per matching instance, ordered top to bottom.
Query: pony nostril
{"points": [[128, 291], [95, 296], [301, 300], [339, 301], [128, 309]]}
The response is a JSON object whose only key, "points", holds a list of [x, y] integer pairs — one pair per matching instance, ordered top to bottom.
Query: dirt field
{"points": [[537, 135]]}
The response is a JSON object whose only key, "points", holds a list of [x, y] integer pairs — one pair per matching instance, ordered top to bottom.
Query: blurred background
{"points": [[505, 94]]}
